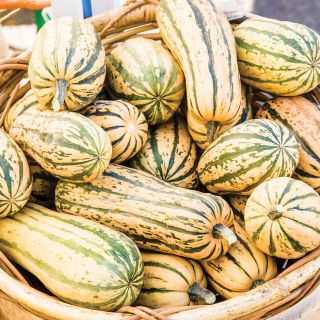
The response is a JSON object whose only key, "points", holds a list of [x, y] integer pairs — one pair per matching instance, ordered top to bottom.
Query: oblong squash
{"points": [[201, 39], [278, 56], [67, 65], [144, 73], [303, 119], [66, 144], [170, 154], [246, 155], [157, 215], [282, 218], [80, 261], [171, 281]]}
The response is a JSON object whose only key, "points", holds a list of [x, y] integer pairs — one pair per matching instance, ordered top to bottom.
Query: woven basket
{"points": [[294, 294]]}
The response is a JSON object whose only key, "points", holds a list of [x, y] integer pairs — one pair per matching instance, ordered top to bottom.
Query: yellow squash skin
{"points": [[201, 39], [279, 57], [67, 65], [303, 119], [125, 125], [66, 144], [170, 154], [15, 177], [238, 204], [157, 215], [282, 218], [243, 268]]}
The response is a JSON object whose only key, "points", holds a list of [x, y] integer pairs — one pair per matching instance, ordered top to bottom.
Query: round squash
{"points": [[67, 65], [144, 73], [303, 119], [125, 125], [170, 154], [246, 155], [238, 204], [282, 218], [244, 267], [171, 281]]}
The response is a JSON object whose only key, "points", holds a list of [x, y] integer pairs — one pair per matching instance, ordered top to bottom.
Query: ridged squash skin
{"points": [[201, 39], [279, 57], [67, 65], [145, 74], [302, 117], [125, 125], [204, 133], [66, 144], [170, 154], [246, 155], [15, 177], [238, 204], [155, 214], [282, 218], [80, 261], [244, 267], [171, 281]]}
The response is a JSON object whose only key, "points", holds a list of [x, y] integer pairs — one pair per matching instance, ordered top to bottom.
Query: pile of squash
{"points": [[176, 162]]}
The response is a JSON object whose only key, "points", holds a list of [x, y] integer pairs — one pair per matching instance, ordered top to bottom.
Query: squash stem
{"points": [[58, 99], [276, 212], [220, 231], [200, 295]]}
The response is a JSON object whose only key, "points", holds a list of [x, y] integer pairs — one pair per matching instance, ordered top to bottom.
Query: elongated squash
{"points": [[201, 39], [278, 56], [67, 65], [144, 73], [303, 119], [125, 125], [204, 133], [66, 144], [170, 154], [246, 155], [15, 177], [238, 204], [155, 214], [282, 218], [80, 261], [244, 267], [171, 281]]}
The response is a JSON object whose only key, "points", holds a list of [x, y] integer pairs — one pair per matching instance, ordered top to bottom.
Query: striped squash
{"points": [[201, 38], [278, 56], [67, 65], [144, 73], [29, 101], [303, 119], [125, 125], [204, 133], [66, 144], [170, 154], [246, 155], [15, 177], [238, 204], [157, 215], [282, 218], [80, 261], [244, 267], [171, 281]]}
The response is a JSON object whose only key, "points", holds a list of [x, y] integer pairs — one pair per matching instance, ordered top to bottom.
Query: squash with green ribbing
{"points": [[201, 39], [279, 57], [67, 65], [145, 74], [302, 117], [125, 125], [66, 144], [170, 154], [246, 155], [238, 204], [155, 214], [282, 218], [80, 261], [244, 267], [171, 281]]}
